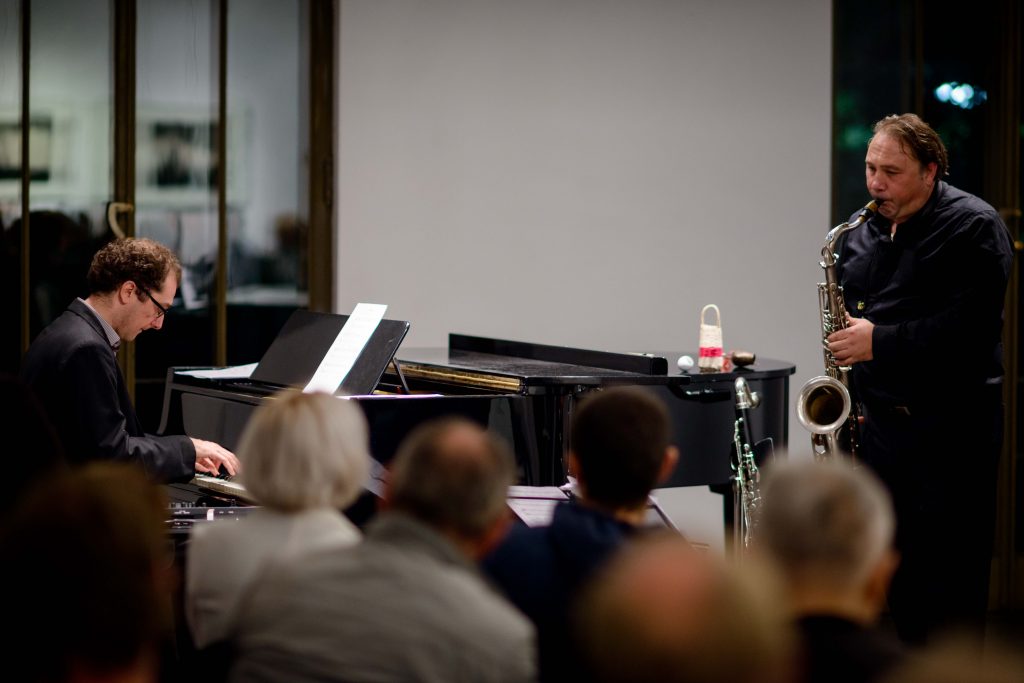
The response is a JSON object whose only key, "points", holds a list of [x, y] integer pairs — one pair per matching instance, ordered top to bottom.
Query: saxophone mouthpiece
{"points": [[869, 210]]}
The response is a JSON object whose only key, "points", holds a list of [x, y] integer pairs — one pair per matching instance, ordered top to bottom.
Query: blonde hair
{"points": [[302, 451]]}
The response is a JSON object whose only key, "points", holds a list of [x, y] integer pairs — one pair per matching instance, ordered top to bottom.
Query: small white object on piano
{"points": [[234, 372]]}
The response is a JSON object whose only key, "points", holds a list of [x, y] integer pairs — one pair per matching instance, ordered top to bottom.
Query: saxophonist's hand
{"points": [[853, 344]]}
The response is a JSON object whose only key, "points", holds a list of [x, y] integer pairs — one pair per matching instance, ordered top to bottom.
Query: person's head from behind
{"points": [[134, 280], [620, 447], [302, 451], [454, 476], [829, 528], [85, 567], [663, 611]]}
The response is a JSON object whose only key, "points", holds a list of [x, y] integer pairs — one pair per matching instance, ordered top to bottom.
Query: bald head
{"points": [[452, 475], [663, 611]]}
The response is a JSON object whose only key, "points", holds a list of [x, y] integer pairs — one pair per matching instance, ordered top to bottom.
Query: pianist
{"points": [[72, 366]]}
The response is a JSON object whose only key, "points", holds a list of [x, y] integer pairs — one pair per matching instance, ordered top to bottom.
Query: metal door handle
{"points": [[114, 208]]}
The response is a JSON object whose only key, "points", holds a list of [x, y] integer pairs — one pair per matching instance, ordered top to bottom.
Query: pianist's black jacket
{"points": [[74, 373]]}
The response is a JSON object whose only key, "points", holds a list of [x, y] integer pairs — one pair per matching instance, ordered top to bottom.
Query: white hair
{"points": [[302, 451], [825, 522]]}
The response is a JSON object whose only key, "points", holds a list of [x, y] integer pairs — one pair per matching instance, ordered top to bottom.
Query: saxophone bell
{"points": [[823, 405], [823, 408]]}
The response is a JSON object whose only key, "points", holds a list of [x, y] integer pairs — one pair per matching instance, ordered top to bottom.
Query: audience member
{"points": [[30, 439], [620, 451], [305, 458], [829, 528], [85, 572], [407, 604], [663, 612]]}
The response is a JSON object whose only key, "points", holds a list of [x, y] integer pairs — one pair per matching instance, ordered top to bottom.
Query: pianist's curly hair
{"points": [[139, 260]]}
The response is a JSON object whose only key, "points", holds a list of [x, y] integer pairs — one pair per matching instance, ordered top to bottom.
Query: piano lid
{"points": [[518, 366]]}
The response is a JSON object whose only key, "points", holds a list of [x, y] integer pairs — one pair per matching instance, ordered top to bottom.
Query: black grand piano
{"points": [[523, 391]]}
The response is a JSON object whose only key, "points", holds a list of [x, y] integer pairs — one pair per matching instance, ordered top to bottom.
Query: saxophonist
{"points": [[924, 282]]}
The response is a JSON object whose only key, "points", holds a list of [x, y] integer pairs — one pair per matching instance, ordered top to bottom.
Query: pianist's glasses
{"points": [[163, 311]]}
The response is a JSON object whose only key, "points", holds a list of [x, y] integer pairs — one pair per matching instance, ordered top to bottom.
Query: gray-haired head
{"points": [[302, 451], [452, 475], [825, 523]]}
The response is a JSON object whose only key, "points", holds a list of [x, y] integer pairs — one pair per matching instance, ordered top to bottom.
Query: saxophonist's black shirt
{"points": [[935, 294]]}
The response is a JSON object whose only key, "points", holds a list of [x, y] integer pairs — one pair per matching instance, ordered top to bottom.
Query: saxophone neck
{"points": [[828, 252], [745, 398]]}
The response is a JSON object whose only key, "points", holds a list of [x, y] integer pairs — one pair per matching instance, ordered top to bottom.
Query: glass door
{"points": [[195, 124], [221, 143], [69, 170]]}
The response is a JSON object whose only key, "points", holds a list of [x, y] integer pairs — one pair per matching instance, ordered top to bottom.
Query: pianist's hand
{"points": [[210, 457]]}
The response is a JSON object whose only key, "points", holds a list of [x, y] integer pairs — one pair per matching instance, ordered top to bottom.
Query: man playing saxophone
{"points": [[924, 282]]}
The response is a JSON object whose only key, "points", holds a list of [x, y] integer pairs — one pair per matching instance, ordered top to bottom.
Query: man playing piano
{"points": [[72, 366]]}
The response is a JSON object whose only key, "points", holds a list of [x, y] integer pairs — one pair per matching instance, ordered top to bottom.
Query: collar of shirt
{"points": [[909, 229], [112, 337]]}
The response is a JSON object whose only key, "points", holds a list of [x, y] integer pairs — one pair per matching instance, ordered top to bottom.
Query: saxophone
{"points": [[824, 406], [746, 477]]}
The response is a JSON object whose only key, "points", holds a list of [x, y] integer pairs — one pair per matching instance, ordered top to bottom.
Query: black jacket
{"points": [[74, 373]]}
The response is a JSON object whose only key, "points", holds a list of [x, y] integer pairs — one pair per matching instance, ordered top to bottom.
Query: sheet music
{"points": [[346, 348], [376, 480], [549, 492], [535, 505], [534, 511]]}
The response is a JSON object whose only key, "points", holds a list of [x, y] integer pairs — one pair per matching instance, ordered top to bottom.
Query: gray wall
{"points": [[587, 172]]}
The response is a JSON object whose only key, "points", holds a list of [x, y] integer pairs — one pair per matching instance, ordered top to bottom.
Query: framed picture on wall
{"points": [[40, 137], [184, 155], [176, 160], [68, 166]]}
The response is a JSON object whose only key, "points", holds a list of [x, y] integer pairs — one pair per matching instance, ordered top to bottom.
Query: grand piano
{"points": [[523, 391]]}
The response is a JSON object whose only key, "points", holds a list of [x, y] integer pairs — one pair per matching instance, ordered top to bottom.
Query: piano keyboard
{"points": [[224, 486]]}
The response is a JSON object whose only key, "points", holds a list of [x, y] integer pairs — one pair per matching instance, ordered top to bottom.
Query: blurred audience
{"points": [[30, 439], [620, 451], [305, 457], [829, 528], [85, 573], [407, 604], [663, 612], [959, 661]]}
